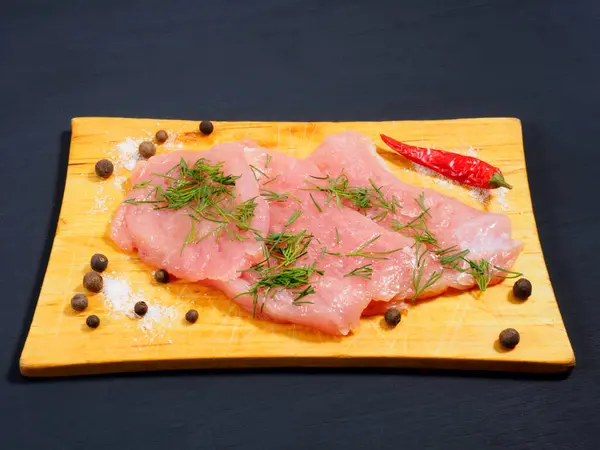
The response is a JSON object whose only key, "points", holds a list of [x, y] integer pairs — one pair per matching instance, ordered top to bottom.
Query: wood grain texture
{"points": [[452, 331]]}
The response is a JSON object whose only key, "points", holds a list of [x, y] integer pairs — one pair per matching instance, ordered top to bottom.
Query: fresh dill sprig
{"points": [[268, 160], [256, 170], [271, 180], [141, 184], [208, 193], [272, 196], [363, 198], [315, 202], [295, 215], [418, 224], [190, 237], [337, 237], [286, 248], [360, 251], [451, 257], [278, 270], [482, 270], [365, 271], [419, 285], [308, 290]]}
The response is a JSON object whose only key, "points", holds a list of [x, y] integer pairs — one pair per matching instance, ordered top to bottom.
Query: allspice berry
{"points": [[206, 127], [161, 136], [147, 149], [104, 168], [99, 262], [161, 275], [93, 282], [522, 289], [79, 302], [140, 308], [191, 316], [392, 317], [92, 321], [509, 338]]}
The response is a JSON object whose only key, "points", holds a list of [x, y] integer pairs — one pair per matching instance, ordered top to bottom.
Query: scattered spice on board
{"points": [[206, 127], [162, 136], [147, 149], [104, 168], [99, 262], [161, 275], [92, 281], [522, 289], [118, 298], [79, 302], [140, 308], [191, 316], [392, 317], [92, 321], [509, 338]]}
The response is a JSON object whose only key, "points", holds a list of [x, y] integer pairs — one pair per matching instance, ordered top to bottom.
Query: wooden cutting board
{"points": [[453, 331]]}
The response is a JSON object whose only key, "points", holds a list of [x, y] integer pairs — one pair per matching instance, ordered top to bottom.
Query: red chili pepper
{"points": [[464, 169]]}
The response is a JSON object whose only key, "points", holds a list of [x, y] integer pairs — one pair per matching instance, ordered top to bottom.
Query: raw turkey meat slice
{"points": [[454, 224], [159, 235], [339, 299]]}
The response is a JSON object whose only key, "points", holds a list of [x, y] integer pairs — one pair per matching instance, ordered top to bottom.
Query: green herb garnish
{"points": [[339, 189], [273, 196], [315, 202], [295, 215], [360, 251], [277, 270], [365, 271]]}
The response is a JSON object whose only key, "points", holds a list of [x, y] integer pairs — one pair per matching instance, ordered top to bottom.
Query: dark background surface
{"points": [[302, 60]]}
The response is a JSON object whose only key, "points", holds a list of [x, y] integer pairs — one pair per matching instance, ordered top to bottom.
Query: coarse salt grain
{"points": [[471, 152], [481, 195], [501, 198], [99, 205], [119, 299]]}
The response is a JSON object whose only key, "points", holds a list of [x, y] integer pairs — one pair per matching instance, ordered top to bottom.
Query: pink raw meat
{"points": [[453, 223], [159, 235], [339, 300]]}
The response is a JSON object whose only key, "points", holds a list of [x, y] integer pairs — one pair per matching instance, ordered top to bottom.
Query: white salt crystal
{"points": [[127, 152], [481, 195], [502, 200], [119, 299]]}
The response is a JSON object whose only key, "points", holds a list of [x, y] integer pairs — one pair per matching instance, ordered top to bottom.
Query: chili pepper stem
{"points": [[497, 180]]}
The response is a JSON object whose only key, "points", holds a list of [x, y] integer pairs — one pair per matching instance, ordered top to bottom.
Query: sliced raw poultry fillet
{"points": [[453, 224], [193, 249], [339, 296]]}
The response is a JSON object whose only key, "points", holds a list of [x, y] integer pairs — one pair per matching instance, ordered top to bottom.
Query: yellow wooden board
{"points": [[453, 331]]}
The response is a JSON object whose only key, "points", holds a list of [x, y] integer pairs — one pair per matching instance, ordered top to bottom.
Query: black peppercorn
{"points": [[206, 127], [161, 136], [147, 149], [104, 168], [99, 262], [161, 275], [93, 282], [522, 289], [79, 302], [140, 308], [191, 316], [392, 317], [92, 321], [509, 338]]}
